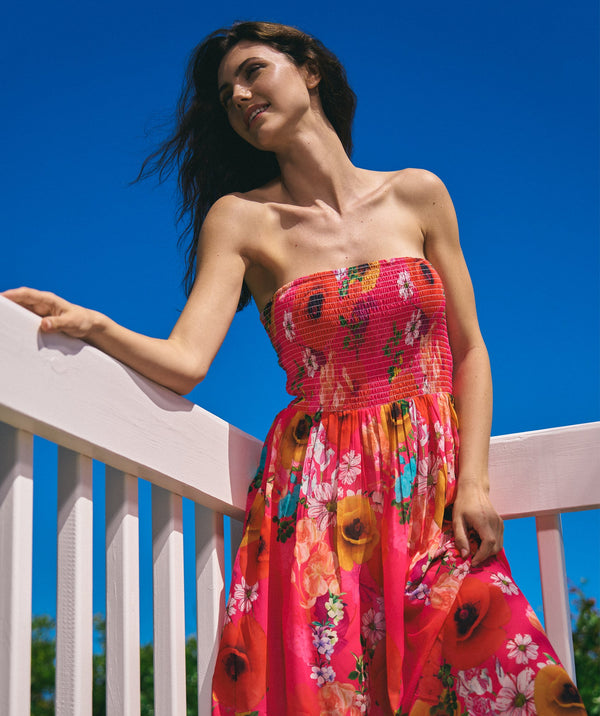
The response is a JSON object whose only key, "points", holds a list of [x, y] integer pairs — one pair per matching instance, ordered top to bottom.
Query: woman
{"points": [[370, 578]]}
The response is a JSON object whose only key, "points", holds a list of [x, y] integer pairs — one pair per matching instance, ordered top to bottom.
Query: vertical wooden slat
{"points": [[16, 523], [555, 592], [122, 595], [210, 597], [169, 605], [74, 609]]}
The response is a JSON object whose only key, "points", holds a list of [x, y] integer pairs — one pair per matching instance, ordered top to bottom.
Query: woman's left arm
{"points": [[472, 376]]}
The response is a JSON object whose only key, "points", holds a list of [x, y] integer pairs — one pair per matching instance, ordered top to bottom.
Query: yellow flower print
{"points": [[369, 277], [357, 533], [555, 694]]}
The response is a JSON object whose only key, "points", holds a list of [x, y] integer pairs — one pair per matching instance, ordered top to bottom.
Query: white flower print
{"points": [[341, 274], [405, 285], [288, 325], [413, 327], [310, 362], [440, 435], [317, 449], [349, 468], [321, 504], [461, 570], [505, 583], [245, 595], [335, 608], [230, 610], [373, 626], [324, 639], [522, 648], [323, 674], [474, 681], [515, 698], [362, 702], [478, 705]]}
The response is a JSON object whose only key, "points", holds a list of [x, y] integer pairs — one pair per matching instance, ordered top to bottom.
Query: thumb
{"points": [[50, 324], [460, 537]]}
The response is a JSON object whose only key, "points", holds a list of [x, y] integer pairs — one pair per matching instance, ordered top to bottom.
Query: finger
{"points": [[43, 303], [460, 537], [488, 547]]}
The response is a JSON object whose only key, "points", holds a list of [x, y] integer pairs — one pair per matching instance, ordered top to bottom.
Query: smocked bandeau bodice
{"points": [[364, 335]]}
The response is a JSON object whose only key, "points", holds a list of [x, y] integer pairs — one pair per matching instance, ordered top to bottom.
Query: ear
{"points": [[312, 75]]}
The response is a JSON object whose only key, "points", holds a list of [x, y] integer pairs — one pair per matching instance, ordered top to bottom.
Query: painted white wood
{"points": [[65, 390], [546, 471], [16, 523], [555, 591], [122, 595], [210, 598], [169, 606], [74, 617]]}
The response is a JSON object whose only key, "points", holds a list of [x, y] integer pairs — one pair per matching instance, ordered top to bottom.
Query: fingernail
{"points": [[46, 324], [464, 553]]}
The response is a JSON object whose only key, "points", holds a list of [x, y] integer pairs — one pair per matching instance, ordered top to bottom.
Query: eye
{"points": [[251, 70]]}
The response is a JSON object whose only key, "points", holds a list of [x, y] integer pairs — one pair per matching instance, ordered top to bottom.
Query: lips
{"points": [[253, 112]]}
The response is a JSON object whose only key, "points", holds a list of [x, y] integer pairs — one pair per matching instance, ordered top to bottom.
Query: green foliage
{"points": [[586, 642], [43, 655], [43, 659]]}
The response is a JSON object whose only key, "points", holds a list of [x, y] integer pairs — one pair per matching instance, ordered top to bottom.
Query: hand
{"points": [[57, 314], [473, 511]]}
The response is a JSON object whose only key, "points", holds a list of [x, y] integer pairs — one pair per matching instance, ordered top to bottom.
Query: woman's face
{"points": [[266, 96]]}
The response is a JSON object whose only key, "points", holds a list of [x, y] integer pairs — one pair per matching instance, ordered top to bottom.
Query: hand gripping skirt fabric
{"points": [[348, 595]]}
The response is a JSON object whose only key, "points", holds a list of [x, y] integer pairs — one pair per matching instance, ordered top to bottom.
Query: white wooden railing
{"points": [[93, 407]]}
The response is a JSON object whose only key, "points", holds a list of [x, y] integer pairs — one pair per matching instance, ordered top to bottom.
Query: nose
{"points": [[241, 94]]}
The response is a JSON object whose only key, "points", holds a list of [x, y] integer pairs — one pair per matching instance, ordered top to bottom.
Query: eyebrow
{"points": [[239, 69]]}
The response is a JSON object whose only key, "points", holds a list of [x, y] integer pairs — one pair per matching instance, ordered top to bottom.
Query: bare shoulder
{"points": [[419, 186], [233, 223]]}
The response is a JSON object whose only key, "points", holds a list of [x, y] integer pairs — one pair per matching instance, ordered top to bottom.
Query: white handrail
{"points": [[94, 407]]}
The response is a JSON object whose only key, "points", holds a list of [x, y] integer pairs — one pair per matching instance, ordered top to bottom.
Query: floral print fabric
{"points": [[348, 595]]}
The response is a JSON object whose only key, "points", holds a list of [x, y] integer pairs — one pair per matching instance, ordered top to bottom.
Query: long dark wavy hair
{"points": [[210, 158]]}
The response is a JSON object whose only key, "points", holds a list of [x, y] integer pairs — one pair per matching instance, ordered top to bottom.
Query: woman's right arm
{"points": [[182, 360]]}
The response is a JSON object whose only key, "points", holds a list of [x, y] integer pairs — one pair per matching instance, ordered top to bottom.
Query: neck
{"points": [[316, 169]]}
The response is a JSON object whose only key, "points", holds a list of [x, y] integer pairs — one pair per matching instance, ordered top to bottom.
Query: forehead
{"points": [[241, 52]]}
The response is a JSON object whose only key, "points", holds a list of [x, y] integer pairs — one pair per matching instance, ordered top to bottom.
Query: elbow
{"points": [[184, 383]]}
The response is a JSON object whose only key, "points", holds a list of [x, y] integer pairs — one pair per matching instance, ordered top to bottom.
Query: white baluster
{"points": [[16, 521], [555, 592], [122, 595], [210, 598], [169, 606], [74, 617]]}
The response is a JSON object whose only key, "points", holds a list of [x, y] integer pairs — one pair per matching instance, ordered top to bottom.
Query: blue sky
{"points": [[500, 99]]}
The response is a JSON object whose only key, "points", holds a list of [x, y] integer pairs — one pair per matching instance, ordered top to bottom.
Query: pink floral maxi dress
{"points": [[348, 595]]}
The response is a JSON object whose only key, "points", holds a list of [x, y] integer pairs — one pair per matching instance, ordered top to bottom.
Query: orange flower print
{"points": [[357, 533], [253, 555], [316, 565], [318, 575], [473, 629], [240, 671], [555, 694], [335, 698]]}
